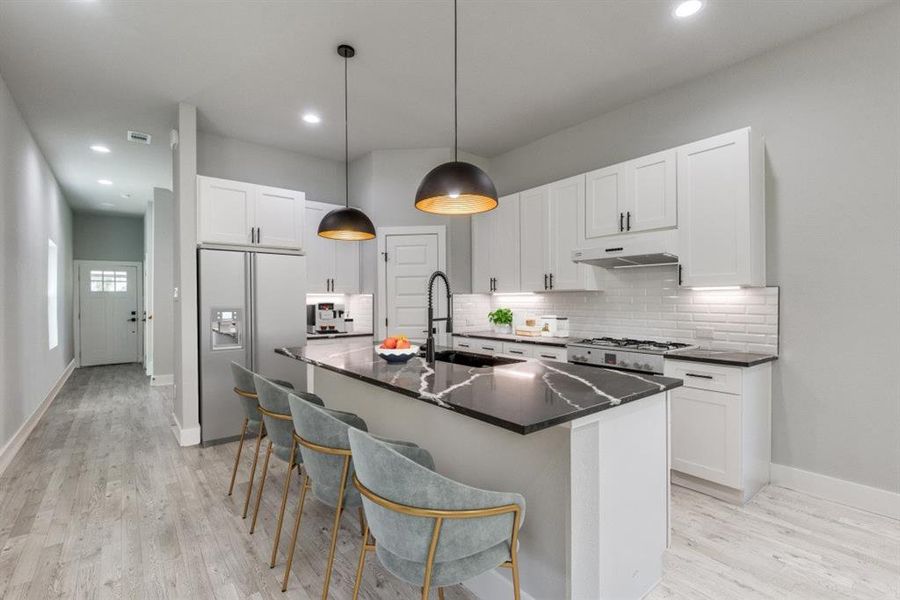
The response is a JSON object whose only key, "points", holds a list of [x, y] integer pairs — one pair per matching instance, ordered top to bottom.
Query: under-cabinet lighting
{"points": [[99, 148], [713, 288], [514, 294]]}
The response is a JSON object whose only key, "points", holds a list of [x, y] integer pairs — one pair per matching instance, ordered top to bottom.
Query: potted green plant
{"points": [[501, 320]]}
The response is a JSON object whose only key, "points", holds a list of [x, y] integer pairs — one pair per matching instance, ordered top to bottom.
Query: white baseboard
{"points": [[165, 379], [186, 436], [8, 452], [856, 495], [493, 585]]}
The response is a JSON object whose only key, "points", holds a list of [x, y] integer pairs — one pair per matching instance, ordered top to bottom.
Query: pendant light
{"points": [[456, 187], [347, 223]]}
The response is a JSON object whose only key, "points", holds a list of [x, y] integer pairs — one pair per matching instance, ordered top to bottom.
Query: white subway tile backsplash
{"points": [[647, 303]]}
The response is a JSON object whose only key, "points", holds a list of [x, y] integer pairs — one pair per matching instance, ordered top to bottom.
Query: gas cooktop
{"points": [[631, 344], [644, 356]]}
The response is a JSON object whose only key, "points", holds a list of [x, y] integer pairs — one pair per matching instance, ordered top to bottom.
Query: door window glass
{"points": [[109, 281]]}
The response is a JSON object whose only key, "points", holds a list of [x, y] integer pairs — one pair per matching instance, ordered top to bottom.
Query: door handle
{"points": [[621, 219], [628, 221], [545, 281], [551, 281]]}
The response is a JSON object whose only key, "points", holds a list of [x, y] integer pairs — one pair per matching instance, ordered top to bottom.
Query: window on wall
{"points": [[109, 281], [52, 296]]}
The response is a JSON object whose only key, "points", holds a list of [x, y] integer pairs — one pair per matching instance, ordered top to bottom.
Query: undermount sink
{"points": [[470, 359]]}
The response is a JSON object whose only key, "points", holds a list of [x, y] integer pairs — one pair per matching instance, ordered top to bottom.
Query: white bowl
{"points": [[394, 355]]}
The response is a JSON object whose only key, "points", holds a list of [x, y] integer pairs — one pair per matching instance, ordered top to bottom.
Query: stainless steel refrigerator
{"points": [[250, 303]]}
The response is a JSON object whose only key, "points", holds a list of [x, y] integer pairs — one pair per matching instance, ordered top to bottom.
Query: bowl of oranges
{"points": [[396, 349]]}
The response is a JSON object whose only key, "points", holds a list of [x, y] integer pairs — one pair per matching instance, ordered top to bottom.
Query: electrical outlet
{"points": [[704, 333]]}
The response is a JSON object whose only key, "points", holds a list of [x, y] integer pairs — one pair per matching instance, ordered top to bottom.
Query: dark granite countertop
{"points": [[331, 336], [519, 339], [722, 357], [523, 397]]}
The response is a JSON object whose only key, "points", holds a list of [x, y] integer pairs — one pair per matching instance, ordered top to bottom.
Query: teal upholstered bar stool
{"points": [[245, 388], [276, 417], [322, 437], [429, 530]]}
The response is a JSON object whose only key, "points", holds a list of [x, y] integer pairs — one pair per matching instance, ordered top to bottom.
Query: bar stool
{"points": [[245, 389], [276, 416], [322, 436], [431, 530]]}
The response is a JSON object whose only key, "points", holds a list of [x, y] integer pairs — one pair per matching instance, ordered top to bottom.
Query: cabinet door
{"points": [[652, 190], [565, 196], [605, 202], [225, 211], [713, 211], [279, 217], [482, 225], [533, 239], [504, 245], [319, 251], [345, 279], [514, 350], [706, 435]]}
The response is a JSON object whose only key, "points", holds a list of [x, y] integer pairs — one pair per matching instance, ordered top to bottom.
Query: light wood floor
{"points": [[102, 503]]}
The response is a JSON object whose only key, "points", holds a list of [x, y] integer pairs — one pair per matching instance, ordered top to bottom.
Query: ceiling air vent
{"points": [[137, 136]]}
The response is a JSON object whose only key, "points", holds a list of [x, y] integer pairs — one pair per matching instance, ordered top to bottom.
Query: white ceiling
{"points": [[85, 71]]}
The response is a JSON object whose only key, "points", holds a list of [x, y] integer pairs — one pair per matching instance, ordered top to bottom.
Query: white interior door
{"points": [[411, 259], [108, 313]]}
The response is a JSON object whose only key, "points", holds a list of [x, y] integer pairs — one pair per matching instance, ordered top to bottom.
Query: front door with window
{"points": [[108, 313]]}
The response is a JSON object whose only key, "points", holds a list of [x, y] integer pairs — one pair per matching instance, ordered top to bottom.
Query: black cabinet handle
{"points": [[621, 218], [628, 221], [253, 235], [618, 249], [679, 275], [545, 281], [551, 281], [463, 345], [516, 352], [547, 356], [699, 376]]}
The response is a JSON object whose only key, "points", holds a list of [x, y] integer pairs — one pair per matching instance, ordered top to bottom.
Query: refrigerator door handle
{"points": [[248, 312]]}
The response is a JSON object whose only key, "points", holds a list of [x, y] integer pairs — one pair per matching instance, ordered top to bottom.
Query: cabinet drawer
{"points": [[464, 344], [467, 344], [518, 350], [553, 353], [704, 376], [706, 435]]}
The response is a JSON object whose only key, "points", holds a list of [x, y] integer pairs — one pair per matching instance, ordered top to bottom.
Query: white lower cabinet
{"points": [[510, 349], [721, 428]]}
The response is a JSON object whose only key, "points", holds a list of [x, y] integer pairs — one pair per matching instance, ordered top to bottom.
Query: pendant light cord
{"points": [[455, 87], [346, 141]]}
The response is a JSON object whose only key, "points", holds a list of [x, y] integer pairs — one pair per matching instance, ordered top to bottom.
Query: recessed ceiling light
{"points": [[688, 8], [312, 118], [100, 149], [104, 182], [107, 205]]}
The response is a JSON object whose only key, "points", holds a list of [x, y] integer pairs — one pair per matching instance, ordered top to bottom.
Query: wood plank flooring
{"points": [[102, 503]]}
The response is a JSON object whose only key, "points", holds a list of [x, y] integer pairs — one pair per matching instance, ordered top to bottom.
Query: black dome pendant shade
{"points": [[456, 187], [346, 223]]}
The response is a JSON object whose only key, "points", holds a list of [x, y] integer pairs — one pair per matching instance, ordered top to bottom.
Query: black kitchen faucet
{"points": [[429, 341]]}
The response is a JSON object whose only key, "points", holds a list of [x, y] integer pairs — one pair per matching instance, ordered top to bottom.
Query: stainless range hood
{"points": [[635, 250]]}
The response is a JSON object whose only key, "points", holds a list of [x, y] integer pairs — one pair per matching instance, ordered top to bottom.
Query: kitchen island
{"points": [[586, 446]]}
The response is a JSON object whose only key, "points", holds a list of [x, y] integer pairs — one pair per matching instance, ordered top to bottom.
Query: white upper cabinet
{"points": [[652, 192], [638, 195], [225, 211], [721, 211], [237, 213], [279, 217], [549, 224], [534, 234], [495, 248], [331, 265]]}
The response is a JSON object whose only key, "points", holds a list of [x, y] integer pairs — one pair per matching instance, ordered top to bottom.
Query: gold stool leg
{"points": [[259, 438], [237, 458], [262, 485], [284, 495], [339, 509], [290, 556], [362, 560], [440, 593]]}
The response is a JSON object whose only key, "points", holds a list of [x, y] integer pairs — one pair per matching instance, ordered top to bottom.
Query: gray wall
{"points": [[829, 108], [228, 158], [184, 176], [163, 208], [32, 209], [108, 237]]}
